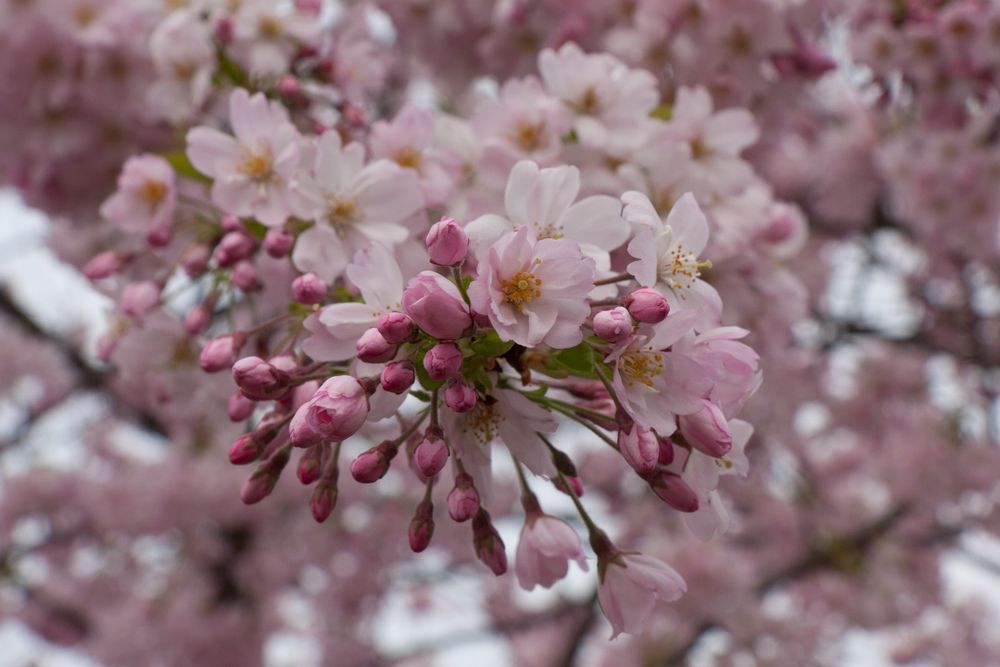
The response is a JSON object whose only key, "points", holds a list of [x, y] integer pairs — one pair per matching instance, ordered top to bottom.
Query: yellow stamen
{"points": [[256, 165], [152, 192], [521, 289], [641, 365]]}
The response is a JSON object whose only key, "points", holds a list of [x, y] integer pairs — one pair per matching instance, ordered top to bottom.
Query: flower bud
{"points": [[224, 30], [290, 88], [231, 223], [159, 237], [278, 241], [447, 243], [233, 247], [195, 260], [103, 265], [244, 276], [308, 289], [140, 299], [647, 305], [436, 306], [197, 319], [613, 325], [395, 327], [374, 349], [220, 353], [443, 361], [397, 377], [259, 380], [459, 396], [239, 407], [338, 408], [299, 430], [707, 430], [639, 447], [245, 449], [431, 454], [666, 455], [311, 464], [372, 464], [260, 484], [575, 486], [674, 491], [463, 499], [323, 500], [422, 526], [488, 545]]}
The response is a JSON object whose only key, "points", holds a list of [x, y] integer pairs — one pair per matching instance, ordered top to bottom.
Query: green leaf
{"points": [[182, 165], [255, 228], [490, 345], [577, 361], [421, 395]]}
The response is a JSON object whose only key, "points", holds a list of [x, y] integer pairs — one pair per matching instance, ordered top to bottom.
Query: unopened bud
{"points": [[278, 241], [447, 243], [309, 289], [647, 305], [613, 325], [395, 327], [373, 348], [220, 353], [443, 361], [397, 376], [459, 396], [239, 407], [431, 454], [372, 464], [674, 491], [463, 500], [422, 526], [488, 545]]}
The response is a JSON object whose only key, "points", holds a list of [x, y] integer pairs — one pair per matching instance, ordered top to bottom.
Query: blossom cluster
{"points": [[533, 306]]}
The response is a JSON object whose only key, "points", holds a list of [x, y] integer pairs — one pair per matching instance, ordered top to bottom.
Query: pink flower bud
{"points": [[224, 30], [289, 86], [231, 223], [781, 226], [159, 237], [278, 241], [447, 243], [233, 247], [195, 260], [103, 265], [244, 276], [308, 289], [140, 299], [647, 305], [436, 306], [197, 319], [613, 325], [395, 327], [374, 349], [220, 353], [443, 361], [397, 377], [259, 380], [459, 396], [239, 407], [338, 408], [299, 430], [707, 430], [639, 447], [245, 449], [430, 455], [666, 455], [311, 464], [372, 464], [260, 484], [575, 486], [674, 491], [463, 499], [323, 500], [422, 526], [486, 540]]}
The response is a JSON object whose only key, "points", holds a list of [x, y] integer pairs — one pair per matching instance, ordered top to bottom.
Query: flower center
{"points": [[269, 27], [589, 103], [528, 136], [409, 158], [256, 165], [152, 192], [342, 213], [548, 231], [680, 268], [521, 289], [641, 365], [483, 422]]}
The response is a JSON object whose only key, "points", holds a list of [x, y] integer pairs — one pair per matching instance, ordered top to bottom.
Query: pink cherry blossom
{"points": [[251, 171], [146, 196], [533, 291], [544, 550], [630, 588]]}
